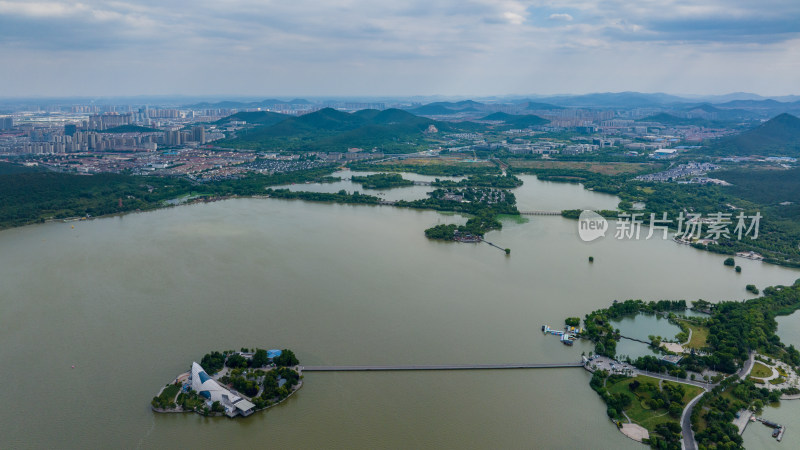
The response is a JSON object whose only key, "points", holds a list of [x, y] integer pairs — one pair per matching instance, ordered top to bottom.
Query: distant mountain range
{"points": [[613, 100], [268, 103], [733, 108], [779, 136]]}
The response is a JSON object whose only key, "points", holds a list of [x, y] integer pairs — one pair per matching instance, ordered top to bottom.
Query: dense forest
{"points": [[445, 170], [482, 180], [31, 197]]}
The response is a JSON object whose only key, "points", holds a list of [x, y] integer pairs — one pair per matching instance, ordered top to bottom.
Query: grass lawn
{"points": [[605, 168], [699, 336], [760, 370], [170, 392], [642, 415]]}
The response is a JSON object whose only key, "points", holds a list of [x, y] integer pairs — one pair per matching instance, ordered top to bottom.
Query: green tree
{"points": [[729, 262], [260, 358], [286, 358], [236, 361]]}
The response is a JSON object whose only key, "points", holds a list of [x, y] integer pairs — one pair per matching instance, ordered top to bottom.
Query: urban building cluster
{"points": [[692, 170]]}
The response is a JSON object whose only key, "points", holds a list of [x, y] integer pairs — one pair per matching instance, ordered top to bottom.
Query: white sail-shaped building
{"points": [[207, 387]]}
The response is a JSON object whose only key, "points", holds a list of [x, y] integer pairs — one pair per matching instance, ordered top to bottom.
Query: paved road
{"points": [[747, 366], [438, 367], [686, 425], [689, 443]]}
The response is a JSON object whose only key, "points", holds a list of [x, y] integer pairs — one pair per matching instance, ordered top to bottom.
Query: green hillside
{"points": [[433, 110], [254, 117], [669, 119], [517, 121], [130, 129], [329, 130], [779, 136], [11, 169], [765, 187]]}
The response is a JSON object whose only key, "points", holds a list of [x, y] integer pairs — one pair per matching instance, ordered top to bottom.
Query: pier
{"points": [[493, 245], [439, 367], [779, 429]]}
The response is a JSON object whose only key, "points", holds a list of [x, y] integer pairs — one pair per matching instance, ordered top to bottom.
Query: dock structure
{"points": [[493, 245], [440, 367], [779, 429]]}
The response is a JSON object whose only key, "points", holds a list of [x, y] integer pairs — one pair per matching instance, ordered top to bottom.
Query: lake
{"points": [[132, 300]]}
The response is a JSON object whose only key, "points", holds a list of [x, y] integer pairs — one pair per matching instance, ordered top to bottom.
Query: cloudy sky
{"points": [[399, 47]]}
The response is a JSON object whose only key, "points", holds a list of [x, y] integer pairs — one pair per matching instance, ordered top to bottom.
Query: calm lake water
{"points": [[131, 301], [641, 327]]}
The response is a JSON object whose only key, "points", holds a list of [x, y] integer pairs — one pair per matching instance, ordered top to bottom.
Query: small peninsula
{"points": [[708, 382], [232, 383]]}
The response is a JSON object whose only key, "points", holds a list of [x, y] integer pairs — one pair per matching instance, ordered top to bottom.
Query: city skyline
{"points": [[358, 48]]}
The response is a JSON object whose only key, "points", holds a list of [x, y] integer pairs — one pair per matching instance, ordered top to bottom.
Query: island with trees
{"points": [[381, 181], [232, 383]]}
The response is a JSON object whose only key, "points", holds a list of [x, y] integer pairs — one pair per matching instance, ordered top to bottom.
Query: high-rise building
{"points": [[6, 123], [199, 134]]}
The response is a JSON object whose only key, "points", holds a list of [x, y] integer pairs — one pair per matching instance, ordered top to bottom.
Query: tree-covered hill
{"points": [[254, 117], [669, 119], [518, 121], [131, 129], [329, 130], [779, 136]]}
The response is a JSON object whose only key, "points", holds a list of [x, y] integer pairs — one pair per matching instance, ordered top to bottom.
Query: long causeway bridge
{"points": [[540, 213], [438, 367]]}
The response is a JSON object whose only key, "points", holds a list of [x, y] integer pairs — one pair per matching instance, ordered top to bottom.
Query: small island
{"points": [[382, 181], [232, 383]]}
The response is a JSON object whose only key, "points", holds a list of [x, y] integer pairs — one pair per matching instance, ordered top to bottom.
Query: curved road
{"points": [[686, 424], [689, 443]]}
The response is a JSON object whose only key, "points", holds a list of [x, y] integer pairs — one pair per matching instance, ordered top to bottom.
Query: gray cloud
{"points": [[434, 45]]}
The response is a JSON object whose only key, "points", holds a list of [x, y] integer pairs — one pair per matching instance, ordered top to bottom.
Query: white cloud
{"points": [[40, 9], [561, 16], [514, 18]]}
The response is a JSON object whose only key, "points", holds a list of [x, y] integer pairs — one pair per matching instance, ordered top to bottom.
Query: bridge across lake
{"points": [[540, 213], [439, 367]]}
